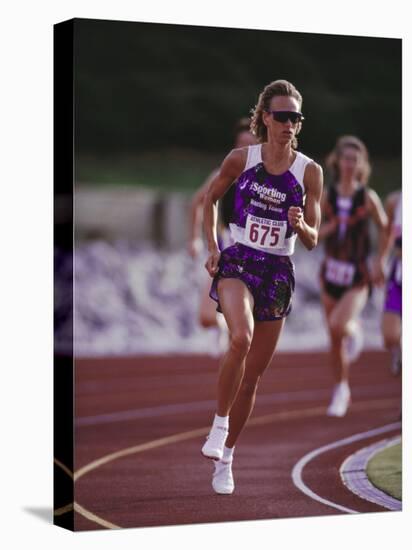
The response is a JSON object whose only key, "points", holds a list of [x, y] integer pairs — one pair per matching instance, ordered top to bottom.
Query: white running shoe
{"points": [[354, 344], [340, 400], [215, 441], [222, 481]]}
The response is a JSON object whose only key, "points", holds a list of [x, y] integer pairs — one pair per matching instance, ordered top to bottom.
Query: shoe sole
{"points": [[332, 415], [211, 457], [223, 492]]}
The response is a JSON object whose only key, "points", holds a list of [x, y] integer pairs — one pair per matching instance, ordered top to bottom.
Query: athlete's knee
{"points": [[337, 329], [391, 333], [241, 340], [391, 340]]}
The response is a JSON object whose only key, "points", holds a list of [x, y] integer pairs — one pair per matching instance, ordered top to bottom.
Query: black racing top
{"points": [[350, 241]]}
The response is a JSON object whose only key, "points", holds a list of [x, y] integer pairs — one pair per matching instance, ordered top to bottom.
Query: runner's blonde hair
{"points": [[275, 88], [332, 159]]}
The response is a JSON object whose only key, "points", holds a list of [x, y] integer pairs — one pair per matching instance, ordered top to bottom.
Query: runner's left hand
{"points": [[295, 217]]}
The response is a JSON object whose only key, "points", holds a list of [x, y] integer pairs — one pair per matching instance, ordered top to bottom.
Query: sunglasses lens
{"points": [[283, 116]]}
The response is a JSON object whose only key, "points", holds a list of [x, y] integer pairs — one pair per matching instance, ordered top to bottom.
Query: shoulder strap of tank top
{"points": [[254, 155], [298, 167], [332, 196], [359, 198]]}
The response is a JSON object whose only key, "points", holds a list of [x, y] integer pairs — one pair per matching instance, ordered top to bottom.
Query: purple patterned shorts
{"points": [[270, 279], [393, 300]]}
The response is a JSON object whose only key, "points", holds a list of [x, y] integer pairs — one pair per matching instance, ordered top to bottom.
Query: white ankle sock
{"points": [[221, 421], [227, 453]]}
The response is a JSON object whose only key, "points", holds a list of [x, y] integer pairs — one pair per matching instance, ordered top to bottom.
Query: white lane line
{"points": [[177, 408], [183, 436], [300, 465], [63, 467], [353, 474], [63, 509], [92, 517]]}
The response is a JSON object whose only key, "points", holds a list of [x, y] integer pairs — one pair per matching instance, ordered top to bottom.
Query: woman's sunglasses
{"points": [[284, 116]]}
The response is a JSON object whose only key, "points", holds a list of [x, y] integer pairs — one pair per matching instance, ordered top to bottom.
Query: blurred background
{"points": [[155, 109]]}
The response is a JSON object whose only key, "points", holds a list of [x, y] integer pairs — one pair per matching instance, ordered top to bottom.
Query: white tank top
{"points": [[254, 157]]}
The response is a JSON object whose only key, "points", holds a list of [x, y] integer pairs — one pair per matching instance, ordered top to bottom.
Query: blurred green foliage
{"points": [[155, 104], [185, 170]]}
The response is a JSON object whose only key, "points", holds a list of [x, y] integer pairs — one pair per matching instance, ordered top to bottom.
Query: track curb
{"points": [[354, 476]]}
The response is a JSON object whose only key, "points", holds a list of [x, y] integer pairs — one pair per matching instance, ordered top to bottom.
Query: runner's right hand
{"points": [[194, 247], [212, 262]]}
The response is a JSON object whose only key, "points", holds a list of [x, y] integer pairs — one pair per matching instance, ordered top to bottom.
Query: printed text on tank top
{"points": [[262, 201]]}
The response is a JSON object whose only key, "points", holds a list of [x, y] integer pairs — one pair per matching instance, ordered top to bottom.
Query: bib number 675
{"points": [[264, 232]]}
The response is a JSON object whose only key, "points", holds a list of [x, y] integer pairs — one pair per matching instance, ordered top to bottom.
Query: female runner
{"points": [[277, 198], [347, 206], [208, 316]]}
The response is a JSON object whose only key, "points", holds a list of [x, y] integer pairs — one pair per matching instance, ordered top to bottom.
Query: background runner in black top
{"points": [[347, 207]]}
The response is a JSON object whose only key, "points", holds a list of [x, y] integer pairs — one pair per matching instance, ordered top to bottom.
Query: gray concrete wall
{"points": [[137, 214]]}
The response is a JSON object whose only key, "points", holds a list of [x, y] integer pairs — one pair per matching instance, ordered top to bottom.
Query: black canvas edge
{"points": [[235, 28], [63, 367]]}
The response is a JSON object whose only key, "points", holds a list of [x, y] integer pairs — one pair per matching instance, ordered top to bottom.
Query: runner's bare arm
{"points": [[229, 171], [196, 206], [376, 210], [195, 216], [380, 218], [328, 222], [306, 223], [388, 238]]}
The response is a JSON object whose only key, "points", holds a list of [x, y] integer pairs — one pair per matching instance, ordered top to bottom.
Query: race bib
{"points": [[265, 233], [339, 273]]}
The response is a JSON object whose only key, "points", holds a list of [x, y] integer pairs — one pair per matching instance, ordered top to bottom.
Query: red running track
{"points": [[129, 405]]}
